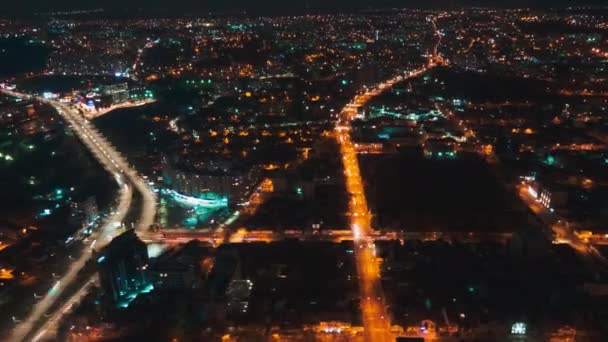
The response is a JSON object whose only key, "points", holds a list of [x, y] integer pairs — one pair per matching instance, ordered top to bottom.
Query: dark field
{"points": [[20, 55], [411, 193], [328, 207]]}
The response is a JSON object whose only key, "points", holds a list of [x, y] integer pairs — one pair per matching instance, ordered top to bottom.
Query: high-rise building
{"points": [[217, 179], [122, 268]]}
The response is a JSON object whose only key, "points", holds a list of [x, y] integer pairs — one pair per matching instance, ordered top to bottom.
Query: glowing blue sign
{"points": [[220, 202]]}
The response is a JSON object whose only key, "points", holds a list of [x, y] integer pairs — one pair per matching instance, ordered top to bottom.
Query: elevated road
{"points": [[127, 179], [375, 317]]}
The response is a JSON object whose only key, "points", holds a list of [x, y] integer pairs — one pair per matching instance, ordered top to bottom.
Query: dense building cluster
{"points": [[396, 174]]}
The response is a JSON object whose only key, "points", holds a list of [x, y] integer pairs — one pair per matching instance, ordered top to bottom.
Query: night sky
{"points": [[267, 6]]}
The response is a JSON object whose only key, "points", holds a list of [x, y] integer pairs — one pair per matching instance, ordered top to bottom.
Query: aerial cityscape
{"points": [[327, 174]]}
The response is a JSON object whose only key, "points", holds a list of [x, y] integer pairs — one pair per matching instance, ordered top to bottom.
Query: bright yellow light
{"points": [[270, 167], [6, 274]]}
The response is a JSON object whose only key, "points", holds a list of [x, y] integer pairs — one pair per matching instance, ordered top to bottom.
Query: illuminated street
{"points": [[90, 115], [324, 171], [126, 178], [561, 228], [373, 309], [376, 319], [49, 328]]}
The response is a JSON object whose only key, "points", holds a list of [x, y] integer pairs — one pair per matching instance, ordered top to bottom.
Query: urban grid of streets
{"points": [[375, 317]]}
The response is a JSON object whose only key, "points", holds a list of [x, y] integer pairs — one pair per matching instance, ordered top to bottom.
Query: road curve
{"points": [[127, 179]]}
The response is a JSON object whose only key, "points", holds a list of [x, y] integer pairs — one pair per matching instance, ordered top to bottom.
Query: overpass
{"points": [[127, 180]]}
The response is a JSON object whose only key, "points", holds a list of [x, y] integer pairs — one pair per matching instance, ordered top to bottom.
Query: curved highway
{"points": [[127, 180], [373, 308]]}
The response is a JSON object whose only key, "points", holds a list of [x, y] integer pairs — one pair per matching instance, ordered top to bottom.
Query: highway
{"points": [[127, 179], [36, 326], [49, 329]]}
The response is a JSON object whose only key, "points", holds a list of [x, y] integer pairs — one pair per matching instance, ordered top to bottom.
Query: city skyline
{"points": [[272, 7]]}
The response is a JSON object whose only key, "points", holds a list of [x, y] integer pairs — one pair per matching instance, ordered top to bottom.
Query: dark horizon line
{"points": [[157, 12]]}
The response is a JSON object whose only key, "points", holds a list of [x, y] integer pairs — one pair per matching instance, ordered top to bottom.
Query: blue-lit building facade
{"points": [[214, 184], [122, 268]]}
